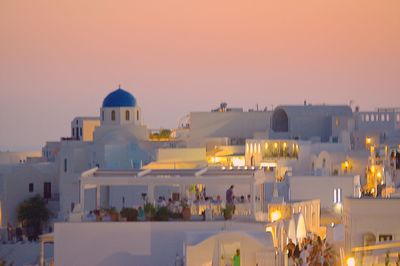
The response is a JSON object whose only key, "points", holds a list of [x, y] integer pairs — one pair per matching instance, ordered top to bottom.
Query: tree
{"points": [[32, 214]]}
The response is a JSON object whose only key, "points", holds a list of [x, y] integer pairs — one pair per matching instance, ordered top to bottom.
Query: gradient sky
{"points": [[59, 59]]}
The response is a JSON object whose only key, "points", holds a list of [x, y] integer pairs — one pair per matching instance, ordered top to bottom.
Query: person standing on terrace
{"points": [[229, 195]]}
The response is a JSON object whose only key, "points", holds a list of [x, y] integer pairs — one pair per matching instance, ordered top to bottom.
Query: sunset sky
{"points": [[59, 59]]}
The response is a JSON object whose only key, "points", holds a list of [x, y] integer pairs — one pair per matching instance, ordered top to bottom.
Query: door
{"points": [[47, 190]]}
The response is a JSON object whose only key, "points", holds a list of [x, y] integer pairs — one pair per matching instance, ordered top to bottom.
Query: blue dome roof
{"points": [[119, 98]]}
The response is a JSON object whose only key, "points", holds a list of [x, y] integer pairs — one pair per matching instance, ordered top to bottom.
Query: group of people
{"points": [[14, 234], [309, 252]]}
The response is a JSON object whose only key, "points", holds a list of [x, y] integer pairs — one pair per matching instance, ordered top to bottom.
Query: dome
{"points": [[119, 98]]}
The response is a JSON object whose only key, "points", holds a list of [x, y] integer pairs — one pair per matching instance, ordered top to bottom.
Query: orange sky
{"points": [[58, 59]]}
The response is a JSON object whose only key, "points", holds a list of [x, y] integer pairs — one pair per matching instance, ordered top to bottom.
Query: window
{"points": [[102, 115], [113, 115], [127, 115], [137, 115], [382, 117], [387, 117], [362, 118], [367, 118], [372, 118], [398, 118], [337, 122], [73, 132], [77, 132], [80, 132], [323, 163], [65, 165], [30, 187], [337, 195], [384, 238]]}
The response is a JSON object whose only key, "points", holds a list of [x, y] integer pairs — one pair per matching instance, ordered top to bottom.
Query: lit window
{"points": [[113, 115], [127, 115], [382, 117], [387, 117], [367, 118], [337, 122], [247, 147], [259, 148], [337, 195]]}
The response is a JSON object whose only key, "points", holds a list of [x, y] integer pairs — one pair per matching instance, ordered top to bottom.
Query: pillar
{"points": [[98, 193], [150, 193], [82, 196], [253, 200], [41, 252]]}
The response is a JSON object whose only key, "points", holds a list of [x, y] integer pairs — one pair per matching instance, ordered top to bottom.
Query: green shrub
{"points": [[130, 214], [162, 214]]}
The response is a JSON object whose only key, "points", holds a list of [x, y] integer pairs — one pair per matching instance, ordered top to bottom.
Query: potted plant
{"points": [[149, 211], [227, 212], [186, 213], [113, 214], [130, 214], [162, 214]]}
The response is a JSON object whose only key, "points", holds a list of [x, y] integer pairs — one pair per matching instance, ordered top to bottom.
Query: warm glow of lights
{"points": [[368, 141], [276, 145], [284, 145], [266, 146], [237, 161], [346, 164], [372, 169], [379, 175], [275, 216], [268, 229], [351, 261]]}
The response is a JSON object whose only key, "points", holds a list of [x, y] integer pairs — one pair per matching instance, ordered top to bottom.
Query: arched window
{"points": [[113, 115], [127, 115], [137, 115], [367, 117], [280, 121]]}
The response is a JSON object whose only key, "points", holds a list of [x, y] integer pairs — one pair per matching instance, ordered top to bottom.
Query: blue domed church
{"points": [[120, 141]]}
